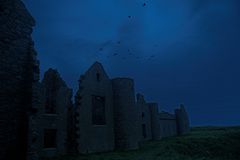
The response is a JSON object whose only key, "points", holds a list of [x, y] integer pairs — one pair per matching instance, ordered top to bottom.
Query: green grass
{"points": [[203, 143]]}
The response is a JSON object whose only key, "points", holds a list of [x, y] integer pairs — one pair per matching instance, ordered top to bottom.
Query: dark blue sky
{"points": [[184, 51]]}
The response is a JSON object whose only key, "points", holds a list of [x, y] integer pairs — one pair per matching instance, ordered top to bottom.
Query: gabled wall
{"points": [[54, 92], [91, 137]]}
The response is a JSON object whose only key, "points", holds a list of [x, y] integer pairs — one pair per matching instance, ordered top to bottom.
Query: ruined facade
{"points": [[19, 73], [108, 108], [95, 112], [126, 114], [52, 116], [38, 119], [145, 120], [182, 120], [168, 125]]}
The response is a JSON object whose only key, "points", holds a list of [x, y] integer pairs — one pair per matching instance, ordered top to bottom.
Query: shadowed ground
{"points": [[203, 143]]}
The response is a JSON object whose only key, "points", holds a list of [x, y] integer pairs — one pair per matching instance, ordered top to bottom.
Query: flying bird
{"points": [[151, 57]]}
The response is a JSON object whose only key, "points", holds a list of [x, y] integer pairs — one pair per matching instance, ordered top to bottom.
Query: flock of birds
{"points": [[129, 53]]}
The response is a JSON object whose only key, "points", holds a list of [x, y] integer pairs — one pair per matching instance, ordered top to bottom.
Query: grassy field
{"points": [[203, 143]]}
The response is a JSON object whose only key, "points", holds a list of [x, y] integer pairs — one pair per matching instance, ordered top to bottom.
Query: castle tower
{"points": [[126, 120], [155, 121]]}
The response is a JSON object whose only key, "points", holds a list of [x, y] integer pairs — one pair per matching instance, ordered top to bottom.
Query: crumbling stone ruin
{"points": [[19, 73], [107, 108], [52, 116], [39, 119], [182, 120], [168, 125]]}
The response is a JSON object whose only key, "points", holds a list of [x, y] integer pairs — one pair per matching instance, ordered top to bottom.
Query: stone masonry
{"points": [[19, 73], [95, 112], [52, 116], [38, 119], [123, 121]]}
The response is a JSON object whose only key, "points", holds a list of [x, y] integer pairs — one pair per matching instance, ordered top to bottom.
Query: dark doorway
{"points": [[50, 136]]}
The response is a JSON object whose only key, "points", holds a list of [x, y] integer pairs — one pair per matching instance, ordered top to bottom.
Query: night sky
{"points": [[184, 51]]}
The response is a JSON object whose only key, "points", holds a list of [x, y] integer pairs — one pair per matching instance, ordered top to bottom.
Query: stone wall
{"points": [[19, 72], [95, 87], [23, 101], [52, 114], [126, 114], [145, 114], [155, 121], [183, 124], [168, 125], [71, 143]]}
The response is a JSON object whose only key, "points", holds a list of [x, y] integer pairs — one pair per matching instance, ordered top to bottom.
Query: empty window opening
{"points": [[98, 77], [50, 106], [98, 110], [143, 115], [144, 132], [50, 138]]}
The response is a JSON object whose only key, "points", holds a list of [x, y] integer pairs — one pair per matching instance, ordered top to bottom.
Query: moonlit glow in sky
{"points": [[184, 51]]}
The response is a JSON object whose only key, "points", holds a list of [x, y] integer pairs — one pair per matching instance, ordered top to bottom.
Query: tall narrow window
{"points": [[98, 77], [50, 106], [98, 110], [143, 115], [144, 133], [50, 138]]}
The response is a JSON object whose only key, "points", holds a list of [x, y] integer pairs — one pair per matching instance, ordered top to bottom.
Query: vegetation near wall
{"points": [[203, 143]]}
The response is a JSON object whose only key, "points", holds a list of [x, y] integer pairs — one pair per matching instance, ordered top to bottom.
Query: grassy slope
{"points": [[203, 143]]}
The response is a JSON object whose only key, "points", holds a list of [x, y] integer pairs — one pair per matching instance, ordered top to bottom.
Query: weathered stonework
{"points": [[19, 72], [126, 114], [52, 115], [39, 120], [182, 120], [133, 121], [155, 121], [168, 124], [146, 131], [95, 137]]}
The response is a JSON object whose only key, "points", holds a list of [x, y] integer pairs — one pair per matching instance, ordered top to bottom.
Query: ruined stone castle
{"points": [[39, 119]]}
